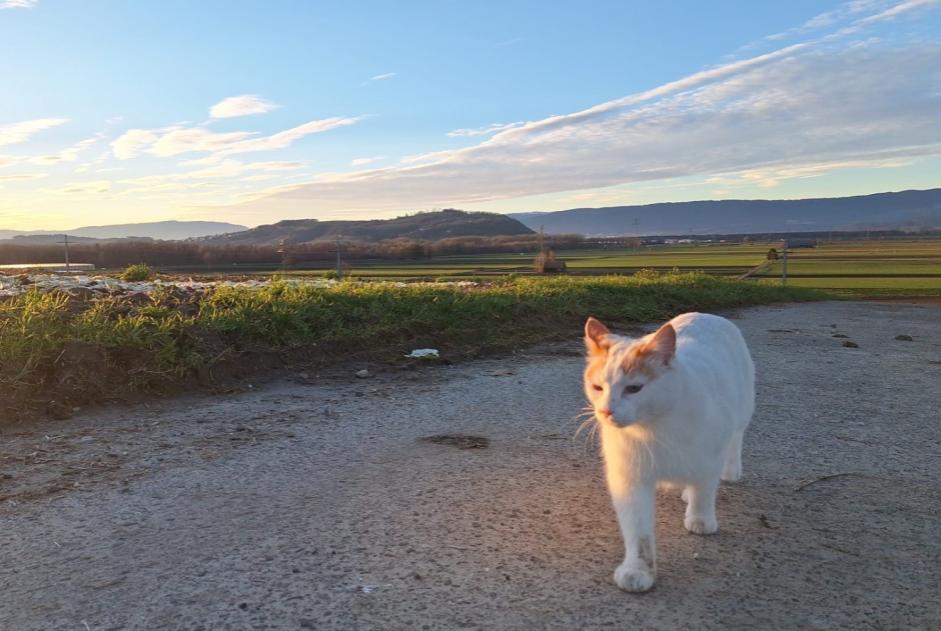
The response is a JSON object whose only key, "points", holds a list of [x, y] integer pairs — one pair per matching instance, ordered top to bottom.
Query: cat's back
{"points": [[707, 341]]}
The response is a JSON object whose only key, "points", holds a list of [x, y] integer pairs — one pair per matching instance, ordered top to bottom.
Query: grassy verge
{"points": [[57, 351]]}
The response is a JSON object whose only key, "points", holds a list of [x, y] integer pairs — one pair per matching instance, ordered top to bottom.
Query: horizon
{"points": [[251, 116], [430, 210]]}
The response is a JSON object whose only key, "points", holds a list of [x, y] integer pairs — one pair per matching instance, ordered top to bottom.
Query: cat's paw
{"points": [[731, 473], [701, 525], [634, 577]]}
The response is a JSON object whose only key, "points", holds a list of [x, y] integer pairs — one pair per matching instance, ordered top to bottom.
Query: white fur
{"points": [[683, 428]]}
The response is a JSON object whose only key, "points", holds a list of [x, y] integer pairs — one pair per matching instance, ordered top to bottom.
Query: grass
{"points": [[57, 348]]}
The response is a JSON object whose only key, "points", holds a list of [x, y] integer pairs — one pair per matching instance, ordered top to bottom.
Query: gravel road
{"points": [[313, 503]]}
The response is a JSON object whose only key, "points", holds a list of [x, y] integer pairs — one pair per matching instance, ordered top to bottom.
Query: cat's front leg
{"points": [[635, 508]]}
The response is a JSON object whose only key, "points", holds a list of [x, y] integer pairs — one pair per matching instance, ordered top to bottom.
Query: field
{"points": [[858, 268]]}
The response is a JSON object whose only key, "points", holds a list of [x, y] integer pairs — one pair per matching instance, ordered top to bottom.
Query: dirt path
{"points": [[313, 504]]}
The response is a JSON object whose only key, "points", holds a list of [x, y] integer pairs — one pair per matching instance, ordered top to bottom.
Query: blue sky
{"points": [[257, 111]]}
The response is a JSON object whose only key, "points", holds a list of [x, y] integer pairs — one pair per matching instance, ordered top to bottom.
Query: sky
{"points": [[119, 111]]}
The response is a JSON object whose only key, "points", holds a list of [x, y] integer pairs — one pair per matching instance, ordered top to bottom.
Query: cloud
{"points": [[18, 4], [898, 9], [383, 77], [244, 105], [771, 115], [483, 131], [15, 133], [177, 140], [132, 142], [69, 154], [6, 161], [355, 162], [24, 176], [88, 187]]}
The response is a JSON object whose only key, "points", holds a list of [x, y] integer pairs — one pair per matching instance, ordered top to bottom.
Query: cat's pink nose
{"points": [[605, 412]]}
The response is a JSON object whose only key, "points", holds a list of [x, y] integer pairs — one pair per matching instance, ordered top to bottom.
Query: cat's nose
{"points": [[605, 412]]}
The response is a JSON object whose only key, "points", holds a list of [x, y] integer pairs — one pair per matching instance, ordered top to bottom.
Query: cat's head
{"points": [[625, 378]]}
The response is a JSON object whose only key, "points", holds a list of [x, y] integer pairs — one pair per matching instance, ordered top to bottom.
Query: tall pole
{"points": [[65, 242], [784, 263], [339, 268]]}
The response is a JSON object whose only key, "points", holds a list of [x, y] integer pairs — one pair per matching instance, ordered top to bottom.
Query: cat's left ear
{"points": [[662, 345]]}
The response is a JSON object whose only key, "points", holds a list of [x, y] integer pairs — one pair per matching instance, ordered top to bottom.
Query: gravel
{"points": [[332, 502]]}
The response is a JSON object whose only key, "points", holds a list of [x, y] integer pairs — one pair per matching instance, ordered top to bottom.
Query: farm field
{"points": [[893, 267]]}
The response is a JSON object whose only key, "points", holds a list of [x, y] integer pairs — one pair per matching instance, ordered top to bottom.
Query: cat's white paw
{"points": [[731, 473], [685, 494], [701, 525], [635, 577]]}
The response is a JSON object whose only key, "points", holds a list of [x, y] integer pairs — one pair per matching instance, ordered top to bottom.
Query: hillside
{"points": [[884, 211], [429, 226], [167, 230]]}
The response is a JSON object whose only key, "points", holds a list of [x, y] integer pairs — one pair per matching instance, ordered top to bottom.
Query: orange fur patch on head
{"points": [[644, 358], [639, 362]]}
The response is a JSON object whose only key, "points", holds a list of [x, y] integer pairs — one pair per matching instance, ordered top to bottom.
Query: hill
{"points": [[906, 210], [429, 226], [167, 230]]}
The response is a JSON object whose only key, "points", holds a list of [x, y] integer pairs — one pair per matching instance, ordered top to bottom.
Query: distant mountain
{"points": [[905, 210], [429, 226], [168, 230]]}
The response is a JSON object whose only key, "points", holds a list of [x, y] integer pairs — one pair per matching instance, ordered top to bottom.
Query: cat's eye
{"points": [[597, 387], [633, 388]]}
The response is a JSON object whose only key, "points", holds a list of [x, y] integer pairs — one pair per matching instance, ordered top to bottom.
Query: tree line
{"points": [[112, 254]]}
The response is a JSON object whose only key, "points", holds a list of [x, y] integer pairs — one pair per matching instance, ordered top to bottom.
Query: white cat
{"points": [[672, 407]]}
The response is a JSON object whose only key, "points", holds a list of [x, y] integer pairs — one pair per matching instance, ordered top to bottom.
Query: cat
{"points": [[672, 408]]}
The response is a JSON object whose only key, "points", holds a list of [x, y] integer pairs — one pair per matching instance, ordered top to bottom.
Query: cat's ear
{"points": [[596, 337], [662, 345]]}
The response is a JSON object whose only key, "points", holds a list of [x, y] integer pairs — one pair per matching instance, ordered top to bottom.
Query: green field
{"points": [[889, 267]]}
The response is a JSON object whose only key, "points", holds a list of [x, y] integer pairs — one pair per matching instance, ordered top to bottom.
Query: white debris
{"points": [[19, 284], [424, 353]]}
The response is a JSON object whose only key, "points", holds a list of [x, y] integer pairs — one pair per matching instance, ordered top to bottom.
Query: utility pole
{"points": [[65, 242], [784, 262], [339, 267]]}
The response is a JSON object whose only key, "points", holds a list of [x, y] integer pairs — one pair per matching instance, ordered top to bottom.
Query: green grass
{"points": [[133, 347]]}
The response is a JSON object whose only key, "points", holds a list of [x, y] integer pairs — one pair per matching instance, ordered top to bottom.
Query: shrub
{"points": [[137, 273]]}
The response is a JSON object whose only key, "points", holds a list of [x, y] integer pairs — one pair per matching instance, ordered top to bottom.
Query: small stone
{"points": [[839, 335], [905, 338], [849, 344], [363, 374]]}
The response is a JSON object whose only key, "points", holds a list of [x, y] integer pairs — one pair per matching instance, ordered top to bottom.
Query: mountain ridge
{"points": [[906, 210], [170, 230]]}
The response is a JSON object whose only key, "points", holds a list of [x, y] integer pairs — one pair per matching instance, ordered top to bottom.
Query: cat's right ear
{"points": [[596, 337]]}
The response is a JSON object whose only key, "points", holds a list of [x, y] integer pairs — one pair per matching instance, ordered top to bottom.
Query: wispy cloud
{"points": [[18, 4], [898, 9], [383, 77], [244, 105], [483, 131], [15, 133], [177, 140], [69, 154], [358, 162], [23, 176], [85, 188]]}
